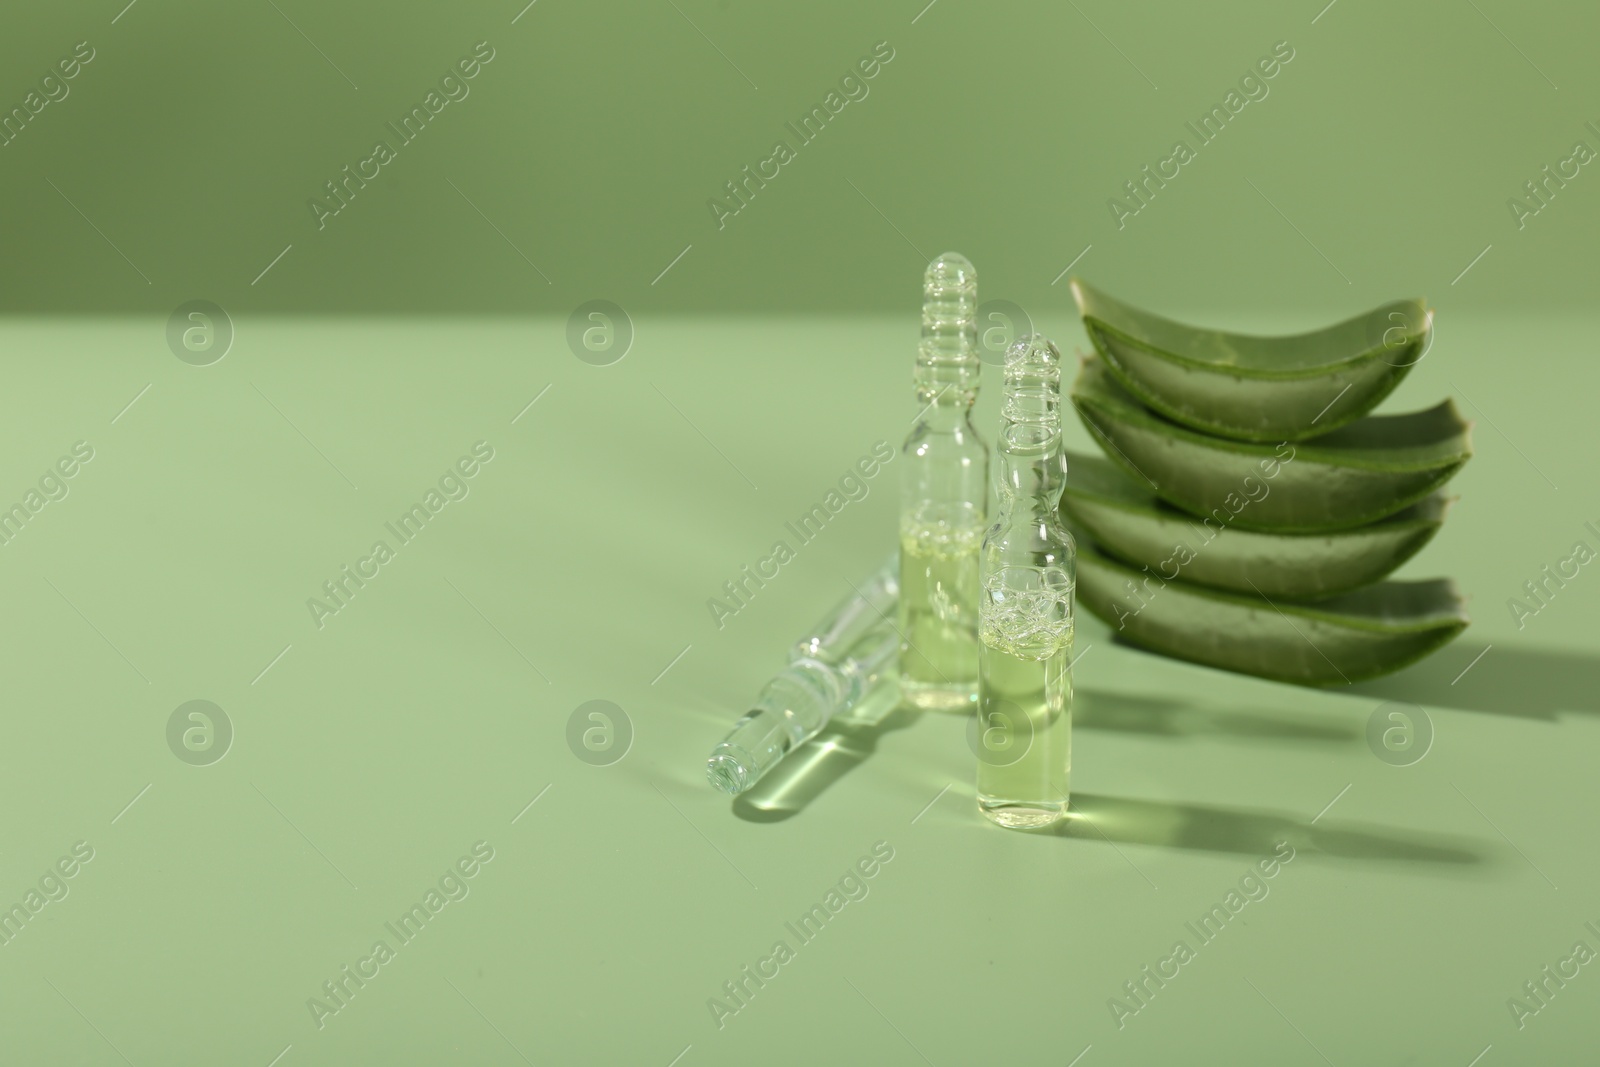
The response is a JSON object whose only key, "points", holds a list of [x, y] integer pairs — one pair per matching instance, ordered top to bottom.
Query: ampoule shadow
{"points": [[1097, 709], [807, 772], [1255, 833]]}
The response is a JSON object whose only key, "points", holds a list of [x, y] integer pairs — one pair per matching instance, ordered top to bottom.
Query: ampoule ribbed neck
{"points": [[947, 356], [1030, 410]]}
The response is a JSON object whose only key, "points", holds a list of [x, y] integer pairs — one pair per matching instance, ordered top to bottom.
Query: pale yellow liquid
{"points": [[939, 616], [1025, 731]]}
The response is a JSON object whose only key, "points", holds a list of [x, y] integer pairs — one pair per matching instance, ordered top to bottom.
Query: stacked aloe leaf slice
{"points": [[1249, 508]]}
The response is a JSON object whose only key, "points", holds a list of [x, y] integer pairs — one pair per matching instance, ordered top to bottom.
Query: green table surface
{"points": [[371, 753]]}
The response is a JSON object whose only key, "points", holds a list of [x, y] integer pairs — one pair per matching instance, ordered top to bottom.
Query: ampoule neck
{"points": [[947, 355], [944, 386], [948, 414], [1031, 473], [1029, 483]]}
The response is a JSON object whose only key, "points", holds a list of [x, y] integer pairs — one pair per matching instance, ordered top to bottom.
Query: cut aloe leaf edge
{"points": [[1257, 388], [1361, 473], [1133, 525], [1332, 642]]}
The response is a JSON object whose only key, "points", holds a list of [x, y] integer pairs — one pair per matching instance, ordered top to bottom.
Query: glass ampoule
{"points": [[944, 485], [1027, 572], [837, 666]]}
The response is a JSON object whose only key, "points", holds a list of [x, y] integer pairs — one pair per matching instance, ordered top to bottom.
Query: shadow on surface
{"points": [[1521, 682], [1098, 709], [809, 770], [1253, 833]]}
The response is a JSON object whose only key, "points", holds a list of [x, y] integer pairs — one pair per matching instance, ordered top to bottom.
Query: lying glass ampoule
{"points": [[943, 489], [1028, 568], [868, 605], [846, 656]]}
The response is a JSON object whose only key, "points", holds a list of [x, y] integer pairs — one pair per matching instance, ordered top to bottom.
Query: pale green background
{"points": [[594, 139], [374, 752]]}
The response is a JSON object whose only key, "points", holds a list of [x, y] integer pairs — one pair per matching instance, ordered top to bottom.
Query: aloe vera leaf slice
{"points": [[1257, 388], [1364, 472], [1132, 524], [1372, 631]]}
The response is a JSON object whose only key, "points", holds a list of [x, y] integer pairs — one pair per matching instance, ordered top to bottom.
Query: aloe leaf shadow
{"points": [[1525, 683]]}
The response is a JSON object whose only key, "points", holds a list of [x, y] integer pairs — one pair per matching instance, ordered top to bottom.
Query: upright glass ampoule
{"points": [[944, 483], [1028, 570]]}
